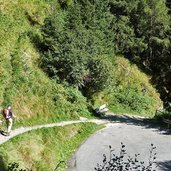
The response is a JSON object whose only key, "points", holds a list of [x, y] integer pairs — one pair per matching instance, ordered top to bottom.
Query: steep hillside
{"points": [[22, 83], [35, 97]]}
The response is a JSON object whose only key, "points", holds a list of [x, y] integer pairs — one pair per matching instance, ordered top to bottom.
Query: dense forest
{"points": [[69, 56]]}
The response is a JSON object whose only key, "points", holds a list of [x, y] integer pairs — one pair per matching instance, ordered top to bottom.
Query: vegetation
{"points": [[147, 23], [135, 36], [76, 46], [73, 47], [80, 50], [56, 56], [59, 59], [131, 92], [35, 98], [43, 149], [121, 162]]}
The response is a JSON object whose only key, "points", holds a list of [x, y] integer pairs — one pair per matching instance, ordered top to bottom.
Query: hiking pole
{"points": [[14, 118], [59, 164]]}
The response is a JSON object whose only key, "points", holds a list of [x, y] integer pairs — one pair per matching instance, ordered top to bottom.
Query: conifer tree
{"points": [[142, 33], [74, 38]]}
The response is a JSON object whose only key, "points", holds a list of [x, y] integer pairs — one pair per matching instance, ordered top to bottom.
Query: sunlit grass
{"points": [[43, 149]]}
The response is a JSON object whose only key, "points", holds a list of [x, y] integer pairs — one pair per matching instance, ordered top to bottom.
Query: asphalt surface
{"points": [[136, 135]]}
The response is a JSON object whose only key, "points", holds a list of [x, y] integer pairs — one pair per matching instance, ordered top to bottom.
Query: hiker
{"points": [[8, 115]]}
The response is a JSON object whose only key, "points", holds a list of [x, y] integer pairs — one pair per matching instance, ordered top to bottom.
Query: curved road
{"points": [[137, 135]]}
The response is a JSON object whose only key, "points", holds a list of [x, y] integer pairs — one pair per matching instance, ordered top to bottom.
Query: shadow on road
{"points": [[133, 120], [164, 166]]}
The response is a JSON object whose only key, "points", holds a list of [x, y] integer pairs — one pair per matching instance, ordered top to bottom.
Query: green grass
{"points": [[14, 24], [131, 92], [35, 98], [38, 120], [43, 149]]}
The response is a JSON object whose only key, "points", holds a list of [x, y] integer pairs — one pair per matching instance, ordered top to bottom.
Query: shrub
{"points": [[129, 90], [132, 98], [122, 163]]}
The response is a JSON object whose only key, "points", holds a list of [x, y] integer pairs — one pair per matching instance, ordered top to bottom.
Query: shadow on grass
{"points": [[147, 123], [2, 164], [164, 166]]}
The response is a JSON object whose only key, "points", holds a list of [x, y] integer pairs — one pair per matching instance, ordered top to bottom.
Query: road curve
{"points": [[135, 132], [137, 137]]}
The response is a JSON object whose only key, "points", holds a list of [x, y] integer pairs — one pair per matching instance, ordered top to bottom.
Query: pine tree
{"points": [[142, 34], [74, 38]]}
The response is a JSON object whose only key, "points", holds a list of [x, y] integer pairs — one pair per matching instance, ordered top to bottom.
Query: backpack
{"points": [[5, 114]]}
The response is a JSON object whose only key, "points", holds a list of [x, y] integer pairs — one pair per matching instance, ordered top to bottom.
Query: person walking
{"points": [[8, 115]]}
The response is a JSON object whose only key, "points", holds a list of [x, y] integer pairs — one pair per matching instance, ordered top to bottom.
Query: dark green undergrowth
{"points": [[162, 114], [43, 149]]}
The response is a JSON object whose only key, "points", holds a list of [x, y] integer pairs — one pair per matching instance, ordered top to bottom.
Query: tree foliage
{"points": [[79, 33], [143, 35], [73, 40]]}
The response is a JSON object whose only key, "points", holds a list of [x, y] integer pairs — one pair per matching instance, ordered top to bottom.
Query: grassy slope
{"points": [[131, 92], [34, 96], [37, 99], [43, 149]]}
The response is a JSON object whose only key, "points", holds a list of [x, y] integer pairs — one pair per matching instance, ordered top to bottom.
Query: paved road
{"points": [[135, 133], [137, 137]]}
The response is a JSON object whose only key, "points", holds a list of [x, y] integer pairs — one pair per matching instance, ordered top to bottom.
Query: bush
{"points": [[129, 91], [134, 99], [122, 163], [15, 167]]}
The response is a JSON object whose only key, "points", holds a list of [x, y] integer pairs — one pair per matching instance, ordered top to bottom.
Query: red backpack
{"points": [[4, 112]]}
